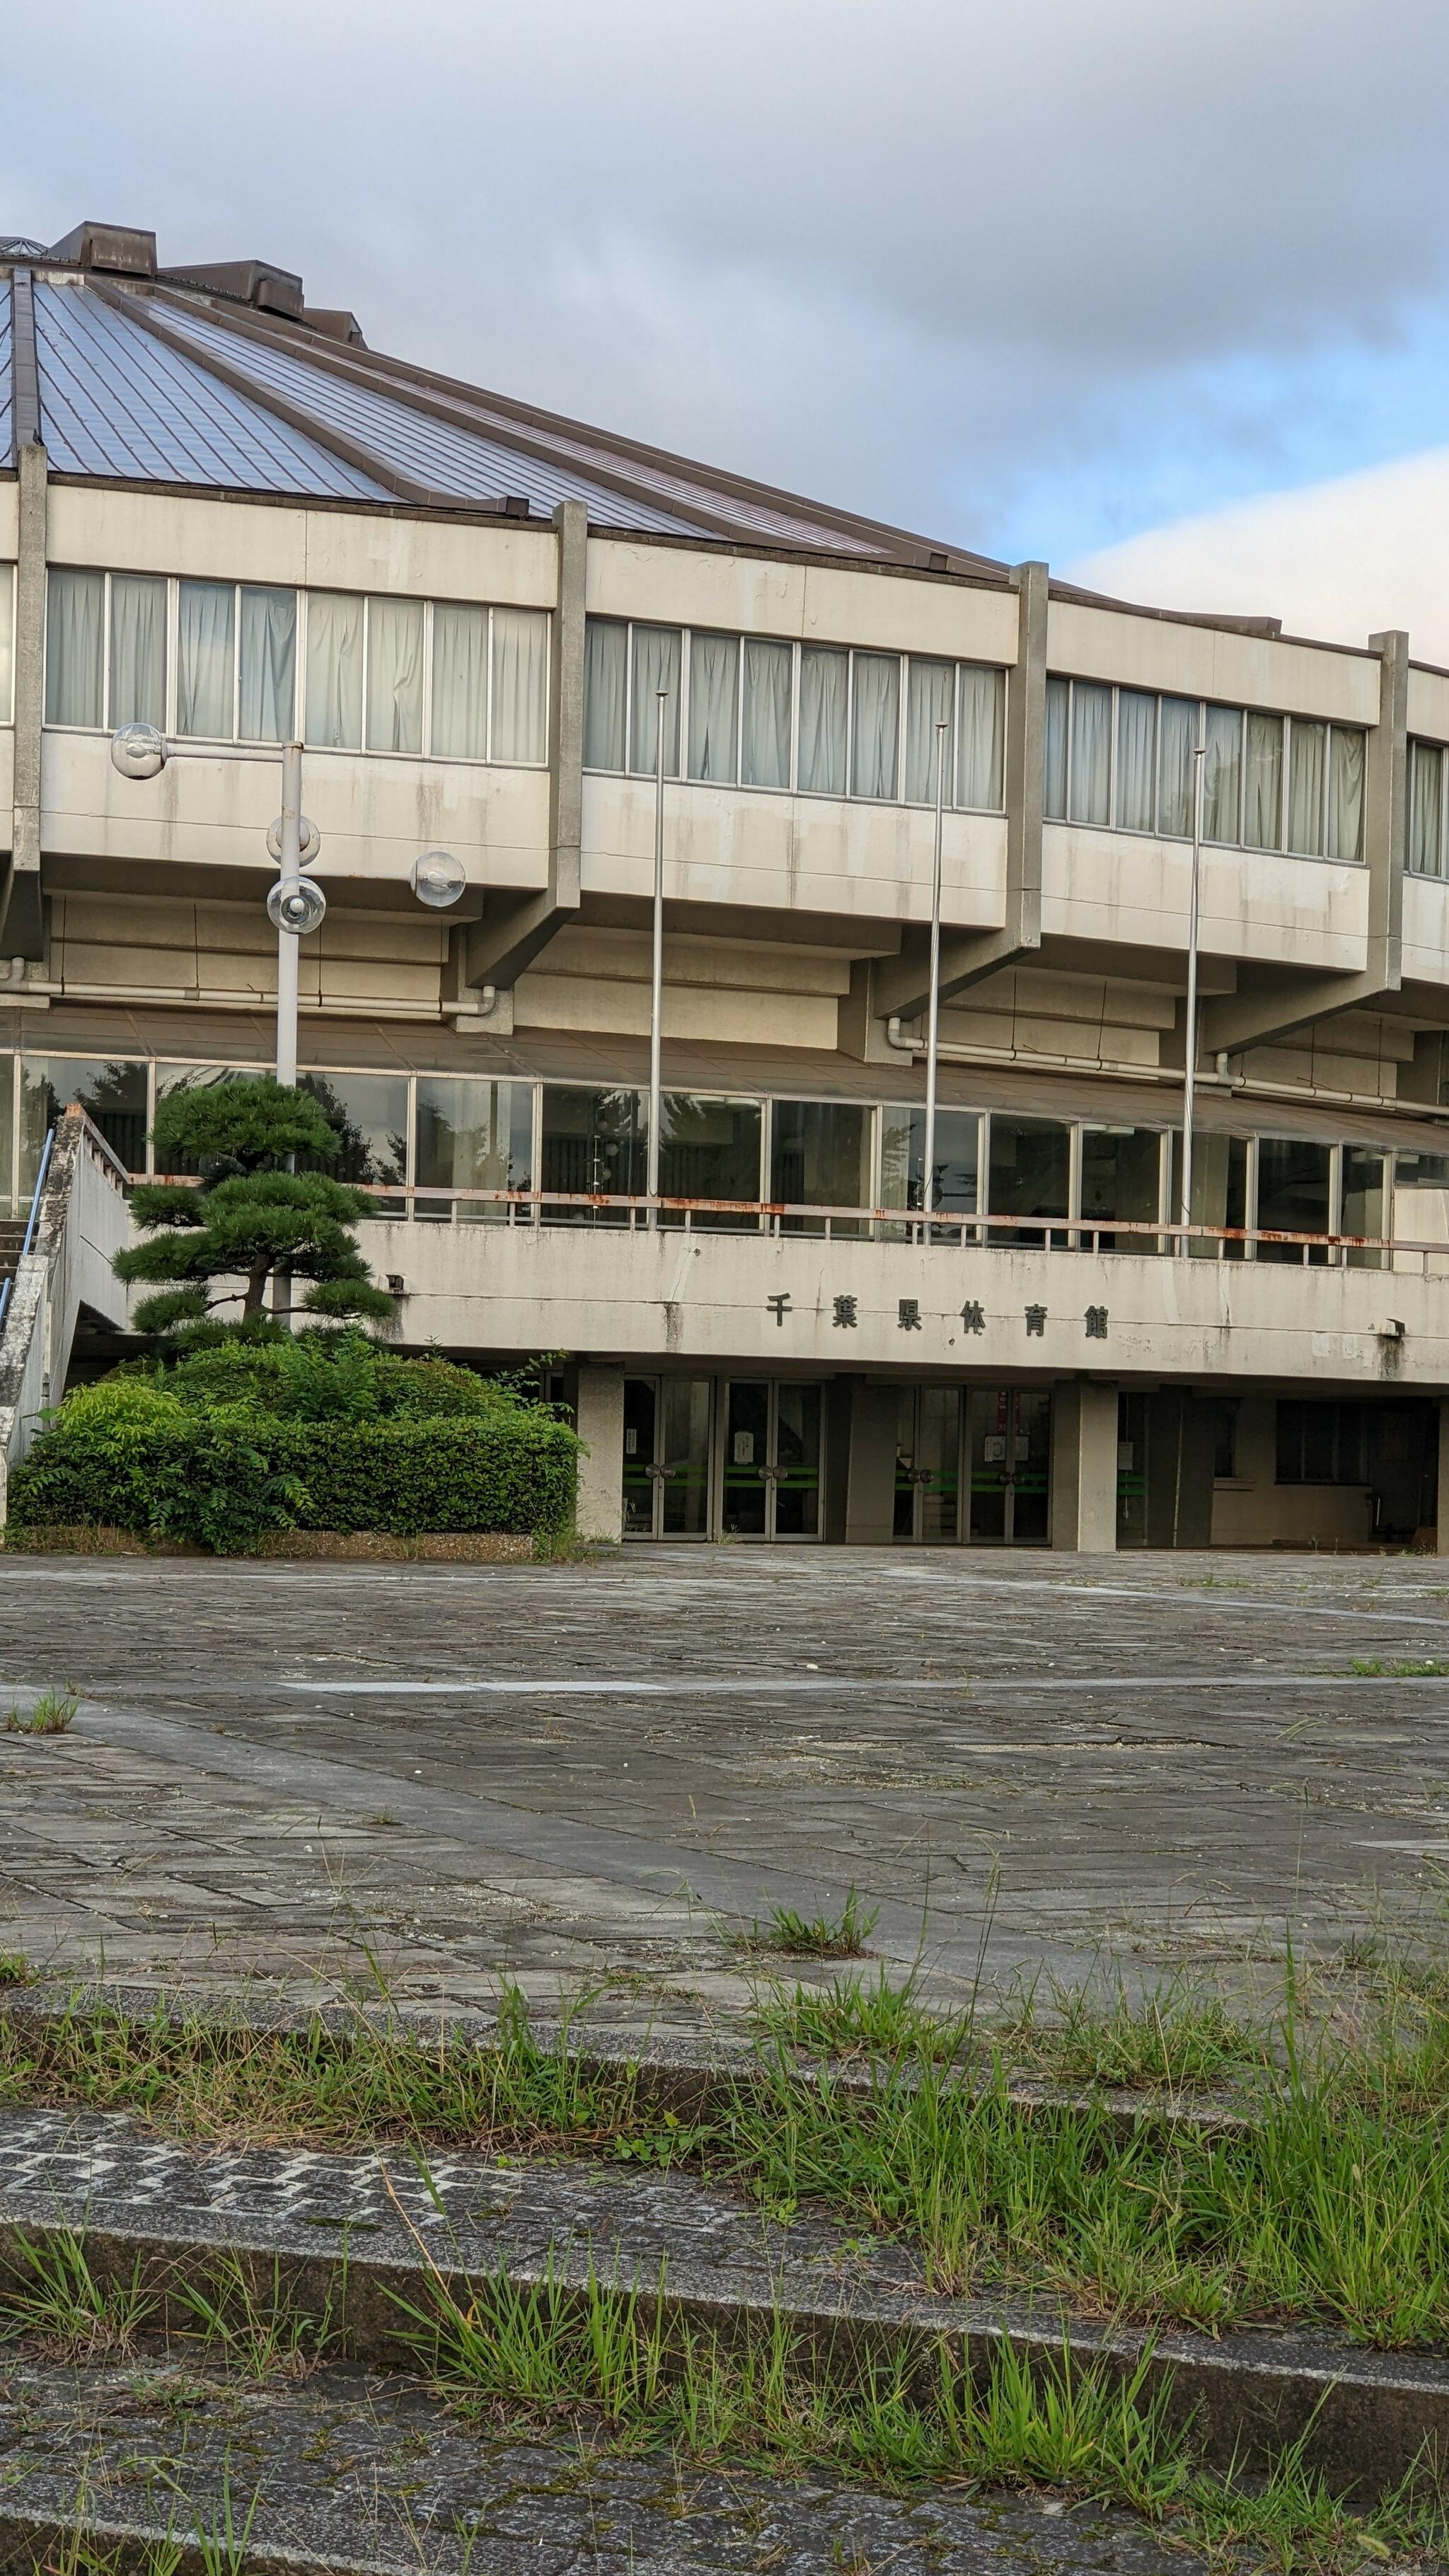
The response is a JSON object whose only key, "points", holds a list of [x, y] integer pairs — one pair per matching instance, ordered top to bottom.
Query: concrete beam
{"points": [[22, 912], [515, 929], [902, 984], [1254, 1017], [1084, 1468], [599, 1512]]}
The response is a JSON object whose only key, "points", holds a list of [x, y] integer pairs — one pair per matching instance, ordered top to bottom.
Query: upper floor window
{"points": [[7, 641], [221, 661], [823, 719], [1125, 758], [1426, 809]]}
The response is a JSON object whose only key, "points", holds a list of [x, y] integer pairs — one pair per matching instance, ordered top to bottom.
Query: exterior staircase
{"points": [[53, 1261]]}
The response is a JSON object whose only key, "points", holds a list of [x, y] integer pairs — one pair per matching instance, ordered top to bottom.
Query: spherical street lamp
{"points": [[139, 751], [438, 879], [297, 906]]}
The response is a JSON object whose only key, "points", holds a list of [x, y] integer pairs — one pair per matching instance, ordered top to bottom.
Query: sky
{"points": [[1155, 291]]}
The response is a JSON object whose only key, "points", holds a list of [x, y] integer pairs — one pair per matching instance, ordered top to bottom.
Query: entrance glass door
{"points": [[1010, 1445], [666, 1457], [928, 1464], [770, 1480]]}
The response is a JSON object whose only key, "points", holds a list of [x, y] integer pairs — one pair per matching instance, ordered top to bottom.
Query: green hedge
{"points": [[225, 1476]]}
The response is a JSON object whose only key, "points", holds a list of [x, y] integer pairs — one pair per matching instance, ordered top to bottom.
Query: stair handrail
{"points": [[31, 1223]]}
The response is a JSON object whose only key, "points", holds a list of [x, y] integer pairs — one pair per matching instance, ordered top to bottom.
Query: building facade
{"points": [[225, 516]]}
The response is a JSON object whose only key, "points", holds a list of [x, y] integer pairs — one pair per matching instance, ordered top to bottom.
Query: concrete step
{"points": [[355, 2234], [360, 2474]]}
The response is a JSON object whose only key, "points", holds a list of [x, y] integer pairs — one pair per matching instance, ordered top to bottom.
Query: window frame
{"points": [[1069, 681]]}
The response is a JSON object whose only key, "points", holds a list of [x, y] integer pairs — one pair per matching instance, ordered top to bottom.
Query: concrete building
{"points": [[221, 513]]}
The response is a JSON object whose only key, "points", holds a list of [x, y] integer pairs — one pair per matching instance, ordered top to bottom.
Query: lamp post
{"points": [[295, 905], [656, 978], [933, 1009], [1189, 1087]]}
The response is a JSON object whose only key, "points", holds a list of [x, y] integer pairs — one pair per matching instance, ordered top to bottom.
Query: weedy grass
{"points": [[1404, 1668], [52, 1714], [821, 1936], [15, 1970], [64, 2308], [256, 2334]]}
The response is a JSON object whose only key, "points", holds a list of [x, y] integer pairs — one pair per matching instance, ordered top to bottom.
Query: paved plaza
{"points": [[601, 1774]]}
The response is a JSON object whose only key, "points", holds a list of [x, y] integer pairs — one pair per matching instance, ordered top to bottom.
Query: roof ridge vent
{"points": [[119, 248], [258, 282]]}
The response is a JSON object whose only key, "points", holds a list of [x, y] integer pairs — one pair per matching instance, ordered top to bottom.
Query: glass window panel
{"points": [[7, 639], [74, 646], [138, 650], [657, 651], [206, 659], [268, 665], [334, 670], [395, 675], [460, 682], [520, 685], [606, 689], [824, 695], [930, 701], [714, 707], [875, 725], [982, 739], [765, 741], [1136, 759], [1307, 759], [1178, 767], [1222, 774], [1091, 779], [1345, 793], [1054, 801], [1263, 804], [113, 1093], [368, 1114], [7, 1130], [473, 1135], [593, 1141], [709, 1149], [820, 1157], [956, 1159], [1030, 1174], [1121, 1178], [1219, 1189], [1293, 1194], [1365, 1203], [685, 1408], [640, 1423], [746, 1459], [797, 1461]]}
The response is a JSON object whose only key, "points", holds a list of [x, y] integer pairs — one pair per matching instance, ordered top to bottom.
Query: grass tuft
{"points": [[52, 1714], [821, 1936], [67, 2310]]}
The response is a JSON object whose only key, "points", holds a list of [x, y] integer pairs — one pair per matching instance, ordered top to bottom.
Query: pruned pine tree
{"points": [[247, 1217]]}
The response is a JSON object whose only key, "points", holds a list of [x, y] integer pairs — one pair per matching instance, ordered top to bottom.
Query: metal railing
{"points": [[31, 1222]]}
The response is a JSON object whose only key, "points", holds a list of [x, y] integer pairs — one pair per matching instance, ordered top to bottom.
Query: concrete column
{"points": [[22, 926], [600, 1424], [1084, 1469], [870, 1492], [1441, 1537]]}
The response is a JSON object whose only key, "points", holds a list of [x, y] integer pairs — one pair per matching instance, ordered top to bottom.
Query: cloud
{"points": [[938, 259], [1343, 560]]}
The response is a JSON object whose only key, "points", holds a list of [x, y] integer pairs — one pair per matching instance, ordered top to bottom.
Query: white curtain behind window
{"points": [[75, 629], [7, 638], [138, 649], [205, 658], [268, 665], [656, 666], [334, 670], [394, 675], [460, 682], [520, 684], [605, 692], [824, 692], [714, 696], [930, 701], [876, 725], [765, 732], [981, 743], [1307, 745], [1136, 759], [1222, 771], [1177, 772], [1091, 786], [1345, 794], [1054, 799], [1263, 804], [1425, 809]]}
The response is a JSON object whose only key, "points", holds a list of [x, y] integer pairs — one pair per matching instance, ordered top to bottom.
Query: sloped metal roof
{"points": [[216, 377]]}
